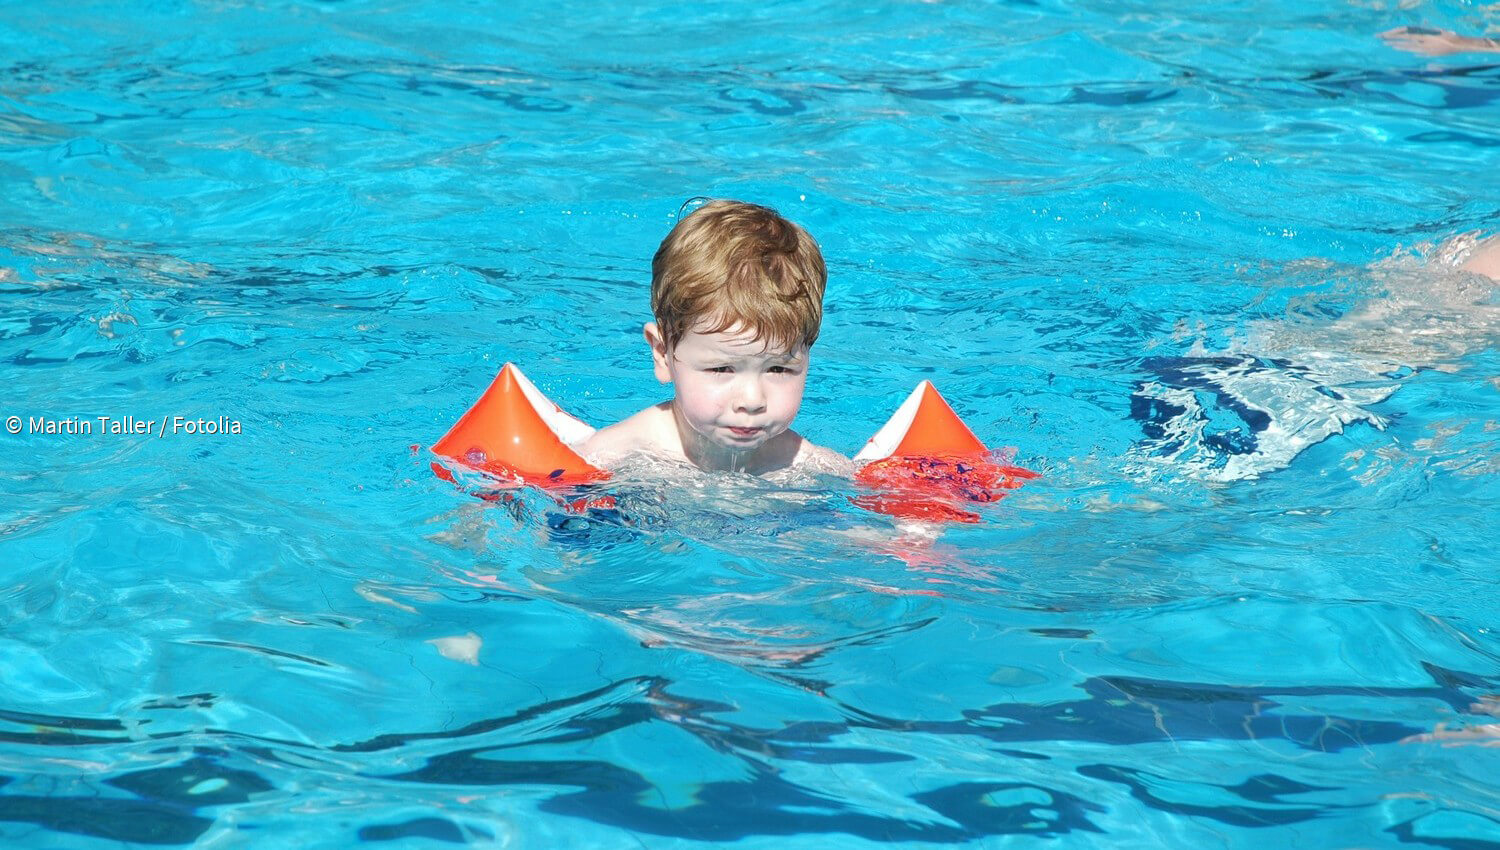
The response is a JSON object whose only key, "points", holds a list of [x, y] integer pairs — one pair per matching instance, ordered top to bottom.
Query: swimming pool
{"points": [[1115, 235]]}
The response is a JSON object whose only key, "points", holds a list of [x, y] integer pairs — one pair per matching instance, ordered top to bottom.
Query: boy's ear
{"points": [[659, 352]]}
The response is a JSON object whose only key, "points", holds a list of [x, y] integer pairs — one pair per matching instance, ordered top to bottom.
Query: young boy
{"points": [[737, 292]]}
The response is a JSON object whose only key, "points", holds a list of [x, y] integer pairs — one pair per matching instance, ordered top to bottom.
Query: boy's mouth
{"points": [[744, 432]]}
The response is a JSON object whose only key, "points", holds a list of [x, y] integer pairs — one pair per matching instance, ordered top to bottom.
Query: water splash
{"points": [[1288, 383]]}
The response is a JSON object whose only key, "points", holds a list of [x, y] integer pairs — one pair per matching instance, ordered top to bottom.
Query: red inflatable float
{"points": [[924, 463]]}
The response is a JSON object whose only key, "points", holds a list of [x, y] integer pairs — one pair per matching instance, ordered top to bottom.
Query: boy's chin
{"points": [[743, 444], [740, 446]]}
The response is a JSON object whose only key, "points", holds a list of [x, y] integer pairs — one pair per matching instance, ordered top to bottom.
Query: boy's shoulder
{"points": [[646, 430], [816, 458]]}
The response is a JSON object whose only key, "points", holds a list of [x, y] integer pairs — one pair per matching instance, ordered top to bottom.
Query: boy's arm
{"points": [[609, 444], [824, 460]]}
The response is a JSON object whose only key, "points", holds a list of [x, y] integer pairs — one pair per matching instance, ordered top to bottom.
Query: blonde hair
{"points": [[729, 265]]}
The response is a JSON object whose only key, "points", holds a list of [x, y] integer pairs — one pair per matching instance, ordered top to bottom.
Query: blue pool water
{"points": [[1191, 260]]}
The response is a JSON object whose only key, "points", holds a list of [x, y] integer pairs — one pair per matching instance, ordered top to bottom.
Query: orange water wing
{"points": [[936, 430], [504, 434]]}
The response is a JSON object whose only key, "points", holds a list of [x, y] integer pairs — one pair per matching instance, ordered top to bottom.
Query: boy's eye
{"points": [[724, 370]]}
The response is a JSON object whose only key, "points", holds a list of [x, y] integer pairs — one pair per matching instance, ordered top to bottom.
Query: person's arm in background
{"points": [[1430, 42], [1485, 258]]}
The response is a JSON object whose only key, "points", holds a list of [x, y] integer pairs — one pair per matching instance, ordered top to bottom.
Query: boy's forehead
{"points": [[737, 340]]}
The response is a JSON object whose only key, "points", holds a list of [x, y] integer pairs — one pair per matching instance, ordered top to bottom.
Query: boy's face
{"points": [[733, 394]]}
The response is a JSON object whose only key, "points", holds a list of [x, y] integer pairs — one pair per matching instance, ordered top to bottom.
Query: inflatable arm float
{"points": [[514, 433], [925, 462], [922, 464]]}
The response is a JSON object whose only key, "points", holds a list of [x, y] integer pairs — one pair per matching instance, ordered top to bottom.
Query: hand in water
{"points": [[1430, 42]]}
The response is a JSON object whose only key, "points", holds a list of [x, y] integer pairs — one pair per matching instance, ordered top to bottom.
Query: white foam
{"points": [[1313, 377]]}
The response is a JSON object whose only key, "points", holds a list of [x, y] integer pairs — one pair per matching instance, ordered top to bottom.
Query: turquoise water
{"points": [[1191, 260]]}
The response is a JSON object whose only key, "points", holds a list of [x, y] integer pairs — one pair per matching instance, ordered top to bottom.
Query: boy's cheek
{"points": [[693, 393], [794, 402], [699, 406]]}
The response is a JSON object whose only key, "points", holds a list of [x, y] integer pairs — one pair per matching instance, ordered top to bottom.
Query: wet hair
{"points": [[729, 265]]}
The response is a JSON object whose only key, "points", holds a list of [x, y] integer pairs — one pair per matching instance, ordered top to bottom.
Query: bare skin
{"points": [[1429, 42], [1485, 258], [734, 402], [655, 431], [1482, 734]]}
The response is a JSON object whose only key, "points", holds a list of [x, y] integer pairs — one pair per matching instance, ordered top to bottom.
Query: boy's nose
{"points": [[749, 397]]}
